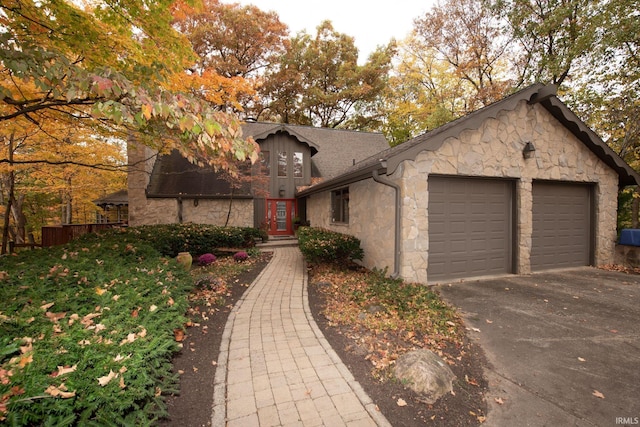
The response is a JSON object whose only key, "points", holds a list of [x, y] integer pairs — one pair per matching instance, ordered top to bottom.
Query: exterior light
{"points": [[528, 151]]}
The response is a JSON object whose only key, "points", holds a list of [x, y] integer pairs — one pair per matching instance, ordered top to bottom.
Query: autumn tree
{"points": [[466, 35], [551, 36], [104, 71], [319, 81]]}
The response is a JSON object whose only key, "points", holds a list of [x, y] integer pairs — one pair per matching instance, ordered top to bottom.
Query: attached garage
{"points": [[521, 185], [562, 225], [470, 227]]}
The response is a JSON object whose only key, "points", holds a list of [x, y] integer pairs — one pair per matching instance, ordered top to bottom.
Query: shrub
{"points": [[171, 239], [321, 245], [240, 256], [206, 259], [87, 332]]}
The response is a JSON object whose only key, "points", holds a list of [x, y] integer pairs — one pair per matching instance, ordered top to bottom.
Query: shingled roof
{"points": [[332, 151], [388, 160], [174, 176]]}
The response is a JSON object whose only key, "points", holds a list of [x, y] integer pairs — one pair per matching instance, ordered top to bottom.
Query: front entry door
{"points": [[280, 213]]}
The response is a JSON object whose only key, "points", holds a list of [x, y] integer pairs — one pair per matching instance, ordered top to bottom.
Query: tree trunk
{"points": [[635, 208], [7, 212]]}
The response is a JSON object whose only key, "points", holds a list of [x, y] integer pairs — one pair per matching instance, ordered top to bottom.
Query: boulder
{"points": [[426, 373]]}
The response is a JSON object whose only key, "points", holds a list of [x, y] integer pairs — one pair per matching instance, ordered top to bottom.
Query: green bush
{"points": [[198, 239], [321, 245], [87, 332]]}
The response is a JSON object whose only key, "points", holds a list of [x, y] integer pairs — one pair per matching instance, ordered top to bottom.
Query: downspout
{"points": [[396, 187]]}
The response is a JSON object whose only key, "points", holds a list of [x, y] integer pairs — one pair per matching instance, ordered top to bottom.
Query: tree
{"points": [[466, 35], [551, 35], [234, 40], [106, 68], [318, 81]]}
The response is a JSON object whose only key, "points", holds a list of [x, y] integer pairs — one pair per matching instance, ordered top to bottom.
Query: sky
{"points": [[370, 23]]}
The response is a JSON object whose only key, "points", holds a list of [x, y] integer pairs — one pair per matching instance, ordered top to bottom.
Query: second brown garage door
{"points": [[562, 225], [470, 227]]}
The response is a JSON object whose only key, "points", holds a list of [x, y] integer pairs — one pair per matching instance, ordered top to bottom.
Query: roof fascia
{"points": [[473, 121], [284, 128], [626, 174]]}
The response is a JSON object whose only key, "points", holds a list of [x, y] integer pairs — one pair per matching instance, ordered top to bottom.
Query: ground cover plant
{"points": [[372, 319], [87, 331]]}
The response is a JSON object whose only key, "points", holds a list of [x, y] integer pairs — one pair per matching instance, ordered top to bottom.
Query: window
{"points": [[265, 163], [282, 163], [297, 165], [340, 205]]}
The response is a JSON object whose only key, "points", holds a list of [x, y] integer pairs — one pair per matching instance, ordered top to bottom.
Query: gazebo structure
{"points": [[115, 208]]}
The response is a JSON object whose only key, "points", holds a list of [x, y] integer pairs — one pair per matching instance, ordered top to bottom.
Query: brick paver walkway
{"points": [[276, 368]]}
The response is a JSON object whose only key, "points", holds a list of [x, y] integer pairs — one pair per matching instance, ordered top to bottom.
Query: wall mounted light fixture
{"points": [[528, 151]]}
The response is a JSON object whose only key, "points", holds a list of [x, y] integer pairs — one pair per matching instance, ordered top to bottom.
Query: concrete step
{"points": [[278, 242]]}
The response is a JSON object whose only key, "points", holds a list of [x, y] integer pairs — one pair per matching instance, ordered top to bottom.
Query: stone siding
{"points": [[495, 150], [144, 211], [371, 219]]}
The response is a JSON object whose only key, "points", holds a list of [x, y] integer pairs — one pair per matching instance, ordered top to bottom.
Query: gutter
{"points": [[398, 217]]}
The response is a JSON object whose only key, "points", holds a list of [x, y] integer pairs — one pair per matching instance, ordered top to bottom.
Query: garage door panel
{"points": [[562, 217], [469, 227]]}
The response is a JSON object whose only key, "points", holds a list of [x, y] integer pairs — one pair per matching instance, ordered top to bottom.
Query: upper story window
{"points": [[265, 162], [282, 163], [298, 170], [340, 205]]}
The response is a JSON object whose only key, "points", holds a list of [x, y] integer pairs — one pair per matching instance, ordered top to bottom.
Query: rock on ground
{"points": [[426, 373]]}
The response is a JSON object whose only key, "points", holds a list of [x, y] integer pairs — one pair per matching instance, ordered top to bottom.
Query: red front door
{"points": [[280, 213]]}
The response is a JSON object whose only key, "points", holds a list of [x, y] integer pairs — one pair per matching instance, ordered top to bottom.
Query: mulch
{"points": [[196, 365]]}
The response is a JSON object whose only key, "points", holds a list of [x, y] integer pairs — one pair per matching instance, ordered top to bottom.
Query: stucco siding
{"points": [[371, 219]]}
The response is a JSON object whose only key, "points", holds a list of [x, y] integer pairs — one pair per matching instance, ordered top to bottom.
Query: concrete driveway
{"points": [[564, 347]]}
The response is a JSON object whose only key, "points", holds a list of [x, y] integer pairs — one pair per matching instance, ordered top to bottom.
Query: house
{"points": [[519, 186], [169, 189]]}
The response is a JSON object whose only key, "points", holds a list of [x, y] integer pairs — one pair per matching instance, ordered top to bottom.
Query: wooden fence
{"points": [[59, 235]]}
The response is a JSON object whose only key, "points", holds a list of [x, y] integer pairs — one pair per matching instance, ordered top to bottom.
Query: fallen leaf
{"points": [[100, 291], [170, 301], [47, 306], [153, 307], [54, 317], [489, 321], [475, 329], [178, 334], [130, 338], [580, 359], [25, 360], [214, 363], [63, 370], [103, 381], [122, 384], [60, 391], [597, 394], [499, 401], [401, 402]]}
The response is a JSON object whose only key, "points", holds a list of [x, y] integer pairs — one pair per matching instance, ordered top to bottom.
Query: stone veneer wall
{"points": [[495, 150], [143, 211], [371, 219]]}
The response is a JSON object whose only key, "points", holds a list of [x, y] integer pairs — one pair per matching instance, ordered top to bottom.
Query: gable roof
{"points": [[332, 150], [387, 161], [119, 198]]}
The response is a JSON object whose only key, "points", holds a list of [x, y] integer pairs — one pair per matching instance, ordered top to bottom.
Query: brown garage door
{"points": [[562, 224], [470, 227]]}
